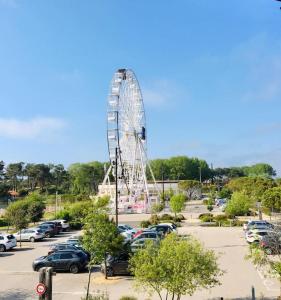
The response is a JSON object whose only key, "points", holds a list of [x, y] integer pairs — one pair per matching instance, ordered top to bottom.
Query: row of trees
{"points": [[84, 178], [246, 193]]}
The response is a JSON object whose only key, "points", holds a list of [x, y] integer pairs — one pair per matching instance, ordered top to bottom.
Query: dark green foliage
{"points": [[201, 216], [3, 222], [145, 224], [128, 298]]}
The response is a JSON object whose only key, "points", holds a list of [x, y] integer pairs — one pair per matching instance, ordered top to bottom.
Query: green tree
{"points": [[14, 172], [192, 188], [272, 198], [177, 203], [239, 204], [35, 207], [16, 215], [101, 237], [177, 268]]}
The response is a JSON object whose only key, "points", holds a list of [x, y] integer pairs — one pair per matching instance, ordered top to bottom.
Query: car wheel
{"points": [[48, 235], [32, 239], [2, 248], [268, 251], [74, 269], [110, 272]]}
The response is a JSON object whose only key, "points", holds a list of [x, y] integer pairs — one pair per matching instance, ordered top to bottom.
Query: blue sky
{"points": [[210, 72]]}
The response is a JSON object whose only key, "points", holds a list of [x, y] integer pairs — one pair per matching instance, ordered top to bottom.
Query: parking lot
{"points": [[18, 280]]}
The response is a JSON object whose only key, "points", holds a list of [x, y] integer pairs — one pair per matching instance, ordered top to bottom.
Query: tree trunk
{"points": [[20, 238], [105, 266], [89, 281]]}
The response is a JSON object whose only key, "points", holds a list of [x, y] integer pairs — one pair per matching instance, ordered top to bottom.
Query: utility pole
{"points": [[116, 187], [163, 187], [56, 207]]}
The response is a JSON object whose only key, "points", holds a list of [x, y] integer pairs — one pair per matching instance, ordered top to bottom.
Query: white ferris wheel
{"points": [[126, 136]]}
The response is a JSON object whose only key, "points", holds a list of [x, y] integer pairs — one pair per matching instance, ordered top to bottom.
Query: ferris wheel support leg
{"points": [[144, 175], [152, 175]]}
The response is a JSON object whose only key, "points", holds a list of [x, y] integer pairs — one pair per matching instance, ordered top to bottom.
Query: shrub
{"points": [[239, 204], [157, 207], [210, 207], [63, 214], [205, 214], [166, 217], [181, 217], [221, 218], [154, 219], [207, 219], [3, 222], [145, 224], [128, 298]]}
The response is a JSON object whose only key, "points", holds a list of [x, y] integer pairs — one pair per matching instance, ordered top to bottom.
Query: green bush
{"points": [[239, 204], [63, 214], [205, 214], [166, 217], [181, 217], [221, 218], [207, 219], [154, 220], [3, 222], [145, 224], [128, 298]]}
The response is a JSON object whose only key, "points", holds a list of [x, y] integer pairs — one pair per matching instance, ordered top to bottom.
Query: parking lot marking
{"points": [[267, 282]]}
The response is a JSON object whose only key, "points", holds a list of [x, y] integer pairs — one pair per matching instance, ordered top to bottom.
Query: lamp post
{"points": [[200, 175], [116, 186]]}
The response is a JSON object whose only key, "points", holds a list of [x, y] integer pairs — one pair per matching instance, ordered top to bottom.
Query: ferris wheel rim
{"points": [[118, 126]]}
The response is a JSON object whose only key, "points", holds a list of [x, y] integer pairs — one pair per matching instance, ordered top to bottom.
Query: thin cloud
{"points": [[161, 93], [30, 129]]}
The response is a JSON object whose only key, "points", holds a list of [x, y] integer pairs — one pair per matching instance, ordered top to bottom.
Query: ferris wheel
{"points": [[127, 139]]}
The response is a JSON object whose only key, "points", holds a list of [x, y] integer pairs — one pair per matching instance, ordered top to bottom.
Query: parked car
{"points": [[64, 224], [256, 224], [171, 225], [57, 226], [127, 228], [162, 229], [48, 230], [30, 234], [148, 235], [255, 235], [127, 236], [74, 241], [7, 242], [139, 243], [271, 243], [62, 246], [72, 261], [116, 265]]}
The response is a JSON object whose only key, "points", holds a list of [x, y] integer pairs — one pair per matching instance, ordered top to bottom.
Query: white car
{"points": [[64, 224], [256, 224], [171, 225], [127, 228], [30, 234], [255, 235], [7, 242]]}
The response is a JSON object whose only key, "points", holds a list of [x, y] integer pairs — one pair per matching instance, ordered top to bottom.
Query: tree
{"points": [[13, 172], [191, 188], [272, 198], [177, 203], [239, 204], [35, 207], [16, 214], [101, 237], [178, 267]]}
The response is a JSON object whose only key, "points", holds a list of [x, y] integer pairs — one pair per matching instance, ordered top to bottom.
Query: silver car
{"points": [[30, 234]]}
